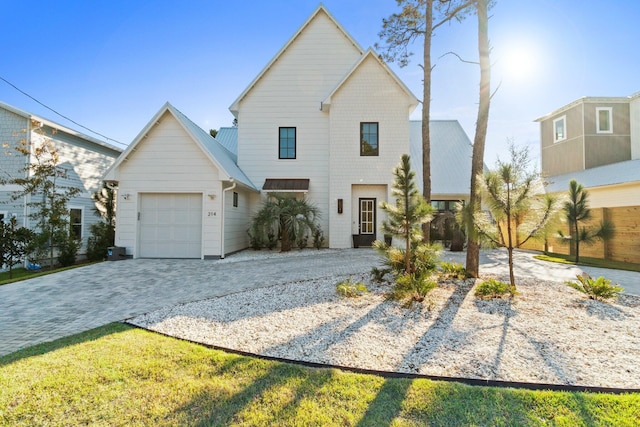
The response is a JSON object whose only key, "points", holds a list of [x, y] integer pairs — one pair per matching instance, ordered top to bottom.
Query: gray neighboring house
{"points": [[86, 159]]}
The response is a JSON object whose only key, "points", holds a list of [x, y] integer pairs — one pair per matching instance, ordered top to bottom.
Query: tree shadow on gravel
{"points": [[437, 333]]}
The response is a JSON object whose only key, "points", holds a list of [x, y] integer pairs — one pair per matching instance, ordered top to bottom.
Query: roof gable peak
{"points": [[321, 9]]}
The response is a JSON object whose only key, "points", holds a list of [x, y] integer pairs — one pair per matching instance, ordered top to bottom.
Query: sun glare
{"points": [[519, 62]]}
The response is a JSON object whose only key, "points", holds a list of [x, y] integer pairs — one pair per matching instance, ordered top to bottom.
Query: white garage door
{"points": [[170, 225]]}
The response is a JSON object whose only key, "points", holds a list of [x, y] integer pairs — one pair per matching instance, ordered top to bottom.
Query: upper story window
{"points": [[604, 120], [560, 129], [368, 139], [287, 143], [235, 199], [75, 220]]}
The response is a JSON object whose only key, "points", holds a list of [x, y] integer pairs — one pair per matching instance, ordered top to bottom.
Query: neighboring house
{"points": [[325, 119], [596, 141], [85, 159]]}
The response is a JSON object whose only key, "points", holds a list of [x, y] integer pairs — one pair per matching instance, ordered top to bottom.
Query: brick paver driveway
{"points": [[54, 306]]}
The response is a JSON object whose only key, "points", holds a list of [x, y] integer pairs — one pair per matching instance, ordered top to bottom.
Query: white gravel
{"points": [[549, 333]]}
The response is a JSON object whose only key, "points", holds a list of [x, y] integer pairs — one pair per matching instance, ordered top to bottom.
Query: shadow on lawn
{"points": [[47, 347]]}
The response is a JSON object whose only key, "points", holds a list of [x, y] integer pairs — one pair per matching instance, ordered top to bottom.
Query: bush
{"points": [[102, 236], [318, 237], [255, 241], [302, 241], [68, 251], [423, 260], [452, 269], [378, 273], [412, 287], [493, 288], [350, 289], [598, 289]]}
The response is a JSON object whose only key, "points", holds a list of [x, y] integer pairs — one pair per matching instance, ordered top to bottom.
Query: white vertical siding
{"points": [[289, 95], [370, 95], [634, 110], [168, 161], [237, 220]]}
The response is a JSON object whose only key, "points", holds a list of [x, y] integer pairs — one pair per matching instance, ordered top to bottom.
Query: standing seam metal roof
{"points": [[451, 153]]}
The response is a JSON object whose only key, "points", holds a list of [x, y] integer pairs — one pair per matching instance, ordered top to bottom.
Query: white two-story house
{"points": [[325, 119]]}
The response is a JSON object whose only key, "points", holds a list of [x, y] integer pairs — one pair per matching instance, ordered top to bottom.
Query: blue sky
{"points": [[111, 65]]}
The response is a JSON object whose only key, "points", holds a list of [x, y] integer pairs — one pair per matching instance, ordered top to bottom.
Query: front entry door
{"points": [[367, 221]]}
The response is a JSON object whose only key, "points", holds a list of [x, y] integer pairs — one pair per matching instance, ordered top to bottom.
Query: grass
{"points": [[591, 262], [23, 274], [118, 375]]}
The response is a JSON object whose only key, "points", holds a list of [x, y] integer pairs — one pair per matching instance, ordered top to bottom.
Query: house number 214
{"points": [[211, 213]]}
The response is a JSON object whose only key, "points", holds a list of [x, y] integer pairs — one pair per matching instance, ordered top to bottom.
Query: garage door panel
{"points": [[170, 225]]}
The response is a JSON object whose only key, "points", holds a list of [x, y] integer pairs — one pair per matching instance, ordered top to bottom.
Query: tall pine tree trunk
{"points": [[426, 112], [477, 162]]}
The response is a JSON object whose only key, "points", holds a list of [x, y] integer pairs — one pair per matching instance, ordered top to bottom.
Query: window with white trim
{"points": [[604, 120], [560, 129], [75, 222]]}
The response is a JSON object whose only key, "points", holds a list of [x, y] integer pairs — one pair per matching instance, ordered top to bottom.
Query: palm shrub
{"points": [[576, 210], [285, 218], [453, 269], [492, 288], [350, 289], [598, 289]]}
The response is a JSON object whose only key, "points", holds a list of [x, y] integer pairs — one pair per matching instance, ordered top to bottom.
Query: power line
{"points": [[61, 115]]}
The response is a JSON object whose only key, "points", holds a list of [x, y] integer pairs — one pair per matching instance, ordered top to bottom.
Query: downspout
{"points": [[224, 191]]}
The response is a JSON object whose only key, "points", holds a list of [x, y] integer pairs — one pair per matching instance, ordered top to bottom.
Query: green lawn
{"points": [[591, 262], [20, 273], [118, 375]]}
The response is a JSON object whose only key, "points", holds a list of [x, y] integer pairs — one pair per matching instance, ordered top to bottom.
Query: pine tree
{"points": [[519, 209], [405, 218]]}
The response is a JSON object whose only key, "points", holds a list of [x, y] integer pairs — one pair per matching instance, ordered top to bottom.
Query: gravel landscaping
{"points": [[549, 333]]}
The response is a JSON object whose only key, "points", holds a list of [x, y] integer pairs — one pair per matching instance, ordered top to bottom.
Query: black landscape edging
{"points": [[407, 375]]}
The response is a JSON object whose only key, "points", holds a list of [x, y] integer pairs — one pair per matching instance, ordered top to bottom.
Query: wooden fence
{"points": [[624, 246]]}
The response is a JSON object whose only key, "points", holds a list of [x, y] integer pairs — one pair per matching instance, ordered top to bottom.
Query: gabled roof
{"points": [[320, 9], [371, 53], [58, 126], [451, 153], [221, 158], [613, 174]]}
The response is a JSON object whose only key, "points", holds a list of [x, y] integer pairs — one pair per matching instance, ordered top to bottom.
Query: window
{"points": [[604, 120], [560, 129], [368, 139], [287, 143], [235, 199], [439, 205], [75, 221]]}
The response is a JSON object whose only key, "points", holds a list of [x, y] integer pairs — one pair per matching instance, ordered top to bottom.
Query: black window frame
{"points": [[287, 148], [374, 151], [235, 199], [76, 227]]}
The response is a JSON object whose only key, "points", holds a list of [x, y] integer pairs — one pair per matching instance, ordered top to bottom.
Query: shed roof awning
{"points": [[286, 185]]}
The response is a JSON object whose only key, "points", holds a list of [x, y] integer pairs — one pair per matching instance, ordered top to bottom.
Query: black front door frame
{"points": [[367, 224]]}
